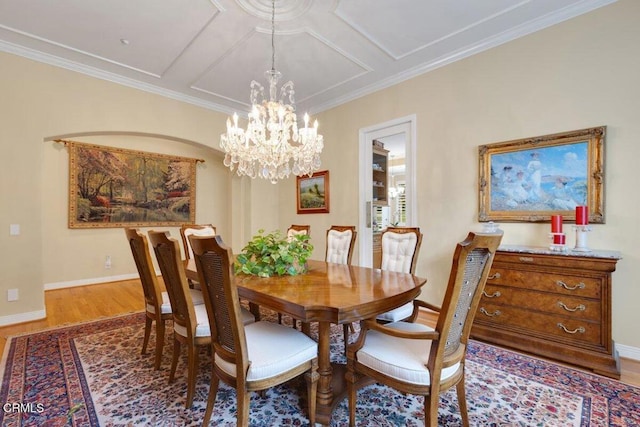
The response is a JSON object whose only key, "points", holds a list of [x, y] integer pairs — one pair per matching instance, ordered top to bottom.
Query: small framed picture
{"points": [[313, 193]]}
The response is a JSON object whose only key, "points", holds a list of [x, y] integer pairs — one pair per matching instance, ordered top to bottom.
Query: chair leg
{"points": [[305, 327], [345, 329], [147, 333], [159, 342], [174, 360], [192, 360], [350, 378], [312, 390], [211, 399], [462, 402], [243, 408], [431, 409]]}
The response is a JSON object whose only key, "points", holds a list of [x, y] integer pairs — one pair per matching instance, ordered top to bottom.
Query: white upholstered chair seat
{"points": [[338, 246], [196, 296], [397, 314], [202, 325], [272, 349], [401, 358]]}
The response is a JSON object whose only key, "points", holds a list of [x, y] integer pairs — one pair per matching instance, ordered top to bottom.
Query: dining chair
{"points": [[295, 229], [187, 230], [339, 249], [400, 249], [156, 302], [190, 322], [249, 357], [417, 359]]}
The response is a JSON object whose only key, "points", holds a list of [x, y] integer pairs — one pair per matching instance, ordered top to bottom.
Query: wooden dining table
{"points": [[328, 294]]}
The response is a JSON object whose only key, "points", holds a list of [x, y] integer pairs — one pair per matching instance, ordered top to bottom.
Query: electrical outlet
{"points": [[107, 262], [12, 295]]}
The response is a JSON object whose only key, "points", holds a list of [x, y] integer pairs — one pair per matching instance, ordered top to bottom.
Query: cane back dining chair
{"points": [[400, 249], [156, 302], [190, 322], [249, 357], [416, 359]]}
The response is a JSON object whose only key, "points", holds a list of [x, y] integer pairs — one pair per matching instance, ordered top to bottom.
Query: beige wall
{"points": [[578, 74], [40, 102]]}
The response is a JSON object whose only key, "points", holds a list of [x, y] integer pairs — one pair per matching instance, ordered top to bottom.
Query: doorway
{"points": [[398, 137]]}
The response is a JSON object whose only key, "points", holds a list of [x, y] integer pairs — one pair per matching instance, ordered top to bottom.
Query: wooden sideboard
{"points": [[551, 304]]}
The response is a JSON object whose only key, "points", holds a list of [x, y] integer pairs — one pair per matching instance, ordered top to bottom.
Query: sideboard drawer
{"points": [[551, 282], [545, 302], [571, 330]]}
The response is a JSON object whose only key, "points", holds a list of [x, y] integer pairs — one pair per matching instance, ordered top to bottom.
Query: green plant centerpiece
{"points": [[274, 254]]}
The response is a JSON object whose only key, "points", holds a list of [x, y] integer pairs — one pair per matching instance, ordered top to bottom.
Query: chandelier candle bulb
{"points": [[582, 215], [556, 223]]}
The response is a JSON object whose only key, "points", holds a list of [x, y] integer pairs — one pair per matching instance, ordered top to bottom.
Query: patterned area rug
{"points": [[93, 374]]}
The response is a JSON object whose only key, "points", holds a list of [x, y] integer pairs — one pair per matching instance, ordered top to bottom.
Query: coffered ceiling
{"points": [[207, 52]]}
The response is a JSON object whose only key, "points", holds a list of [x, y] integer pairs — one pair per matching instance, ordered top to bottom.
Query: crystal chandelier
{"points": [[272, 147]]}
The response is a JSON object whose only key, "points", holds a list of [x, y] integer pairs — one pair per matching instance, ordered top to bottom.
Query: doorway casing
{"points": [[403, 125]]}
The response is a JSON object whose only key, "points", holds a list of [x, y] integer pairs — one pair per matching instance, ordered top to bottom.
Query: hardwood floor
{"points": [[85, 303], [81, 304]]}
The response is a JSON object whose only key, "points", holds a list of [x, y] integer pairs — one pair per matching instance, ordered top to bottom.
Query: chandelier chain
{"points": [[273, 35]]}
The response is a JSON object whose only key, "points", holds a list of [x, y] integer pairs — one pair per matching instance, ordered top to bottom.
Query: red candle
{"points": [[582, 215], [556, 223], [558, 239]]}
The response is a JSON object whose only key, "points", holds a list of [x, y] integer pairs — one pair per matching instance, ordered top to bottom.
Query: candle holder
{"points": [[581, 238], [558, 242]]}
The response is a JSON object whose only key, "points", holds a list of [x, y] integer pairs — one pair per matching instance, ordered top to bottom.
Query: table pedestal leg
{"points": [[331, 385], [325, 392]]}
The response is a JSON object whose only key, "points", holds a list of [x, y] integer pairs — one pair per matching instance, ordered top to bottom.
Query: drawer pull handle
{"points": [[526, 259], [494, 276], [571, 288], [496, 294], [580, 307], [486, 313], [577, 330]]}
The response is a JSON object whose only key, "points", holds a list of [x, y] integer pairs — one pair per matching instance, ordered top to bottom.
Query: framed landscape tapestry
{"points": [[531, 179], [115, 187], [312, 193]]}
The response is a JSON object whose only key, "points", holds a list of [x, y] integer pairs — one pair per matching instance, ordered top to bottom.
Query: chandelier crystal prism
{"points": [[272, 146]]}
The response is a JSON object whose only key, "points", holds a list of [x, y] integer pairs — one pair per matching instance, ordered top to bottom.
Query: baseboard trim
{"points": [[94, 281], [22, 317], [628, 352]]}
